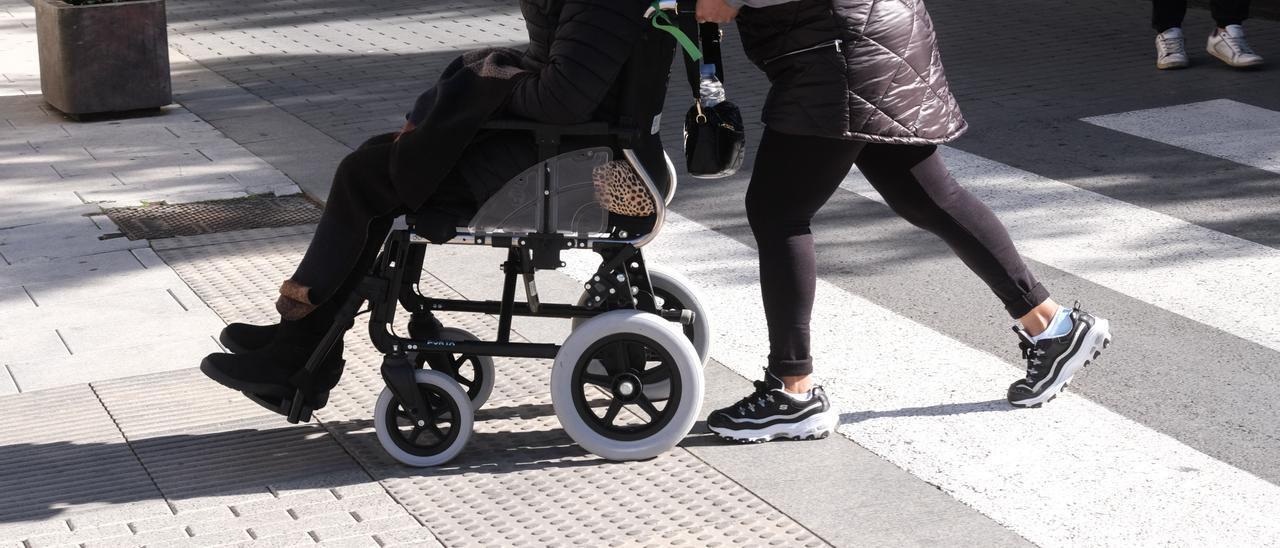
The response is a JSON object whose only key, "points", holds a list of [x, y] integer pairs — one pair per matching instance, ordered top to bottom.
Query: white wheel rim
{"points": [[675, 425]]}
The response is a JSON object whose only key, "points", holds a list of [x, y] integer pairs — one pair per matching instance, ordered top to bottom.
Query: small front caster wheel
{"points": [[474, 373], [436, 438]]}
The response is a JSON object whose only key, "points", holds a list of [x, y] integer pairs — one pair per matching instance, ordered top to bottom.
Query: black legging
{"points": [[1166, 14], [795, 175]]}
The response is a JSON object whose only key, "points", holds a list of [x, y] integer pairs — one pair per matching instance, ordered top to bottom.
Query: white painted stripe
{"points": [[1224, 128], [1181, 267], [1070, 474]]}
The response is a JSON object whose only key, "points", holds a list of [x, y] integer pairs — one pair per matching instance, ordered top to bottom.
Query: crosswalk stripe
{"points": [[1223, 128], [1181, 267], [1072, 473]]}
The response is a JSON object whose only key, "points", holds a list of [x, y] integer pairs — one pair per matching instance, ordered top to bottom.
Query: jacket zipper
{"points": [[828, 44]]}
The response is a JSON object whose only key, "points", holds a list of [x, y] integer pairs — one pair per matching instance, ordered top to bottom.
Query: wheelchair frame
{"points": [[621, 282]]}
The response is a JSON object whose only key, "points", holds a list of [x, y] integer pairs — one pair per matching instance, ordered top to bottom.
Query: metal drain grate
{"points": [[166, 221]]}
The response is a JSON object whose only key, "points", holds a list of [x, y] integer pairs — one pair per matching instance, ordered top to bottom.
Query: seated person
{"points": [[439, 163]]}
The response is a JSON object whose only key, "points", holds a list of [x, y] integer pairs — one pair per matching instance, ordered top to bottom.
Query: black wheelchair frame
{"points": [[621, 282]]}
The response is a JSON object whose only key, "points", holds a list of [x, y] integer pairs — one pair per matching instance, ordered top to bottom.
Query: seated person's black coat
{"points": [[577, 50]]}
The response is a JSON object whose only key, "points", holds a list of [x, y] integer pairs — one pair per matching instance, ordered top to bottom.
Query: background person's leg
{"points": [[1229, 12], [1166, 14], [792, 178], [916, 184]]}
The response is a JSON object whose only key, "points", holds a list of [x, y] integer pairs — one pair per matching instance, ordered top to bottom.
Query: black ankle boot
{"points": [[242, 338], [276, 369]]}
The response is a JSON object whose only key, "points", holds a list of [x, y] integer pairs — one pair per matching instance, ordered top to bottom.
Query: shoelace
{"points": [[1237, 44], [1170, 46], [1032, 354], [761, 395]]}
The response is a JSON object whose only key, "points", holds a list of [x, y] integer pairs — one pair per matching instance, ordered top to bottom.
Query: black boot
{"points": [[242, 338], [276, 369]]}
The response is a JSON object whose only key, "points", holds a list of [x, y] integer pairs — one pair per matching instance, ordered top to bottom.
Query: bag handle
{"points": [[657, 15], [689, 33], [708, 35]]}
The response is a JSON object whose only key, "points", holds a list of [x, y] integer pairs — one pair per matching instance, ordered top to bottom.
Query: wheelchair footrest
{"points": [[284, 405]]}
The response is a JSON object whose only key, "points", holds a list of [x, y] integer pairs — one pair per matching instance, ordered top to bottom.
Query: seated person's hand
{"points": [[715, 11], [408, 126]]}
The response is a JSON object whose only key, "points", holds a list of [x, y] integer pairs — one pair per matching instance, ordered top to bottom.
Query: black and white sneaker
{"points": [[1051, 362], [770, 413]]}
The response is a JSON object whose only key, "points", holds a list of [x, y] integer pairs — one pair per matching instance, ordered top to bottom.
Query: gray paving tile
{"points": [[100, 264], [66, 293], [105, 335], [20, 343], [44, 373], [7, 386]]}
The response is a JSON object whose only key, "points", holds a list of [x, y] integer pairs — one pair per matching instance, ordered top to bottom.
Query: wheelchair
{"points": [[627, 384]]}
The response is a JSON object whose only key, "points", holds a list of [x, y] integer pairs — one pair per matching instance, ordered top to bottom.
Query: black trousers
{"points": [[1166, 14], [795, 175], [358, 214]]}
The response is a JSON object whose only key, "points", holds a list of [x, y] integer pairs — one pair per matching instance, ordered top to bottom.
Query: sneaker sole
{"points": [[1228, 62], [1099, 340], [813, 428]]}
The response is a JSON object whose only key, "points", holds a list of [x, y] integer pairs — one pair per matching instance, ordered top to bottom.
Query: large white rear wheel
{"points": [[599, 380]]}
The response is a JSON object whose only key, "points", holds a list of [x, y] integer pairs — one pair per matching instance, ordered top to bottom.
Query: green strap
{"points": [[662, 21]]}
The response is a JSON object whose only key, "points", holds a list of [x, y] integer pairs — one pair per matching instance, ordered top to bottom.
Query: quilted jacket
{"points": [[866, 70]]}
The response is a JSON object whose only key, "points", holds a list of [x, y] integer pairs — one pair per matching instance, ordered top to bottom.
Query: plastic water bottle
{"points": [[709, 87]]}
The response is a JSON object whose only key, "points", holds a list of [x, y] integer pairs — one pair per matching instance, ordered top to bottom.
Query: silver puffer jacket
{"points": [[866, 70]]}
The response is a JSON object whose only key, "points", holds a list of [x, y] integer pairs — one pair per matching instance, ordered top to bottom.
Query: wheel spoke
{"points": [[620, 359], [656, 374], [647, 406], [612, 413], [436, 430], [417, 431]]}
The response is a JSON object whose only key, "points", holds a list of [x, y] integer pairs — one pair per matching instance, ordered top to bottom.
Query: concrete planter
{"points": [[103, 57]]}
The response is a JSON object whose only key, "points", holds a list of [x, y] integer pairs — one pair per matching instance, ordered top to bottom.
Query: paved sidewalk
{"points": [[78, 301], [116, 441]]}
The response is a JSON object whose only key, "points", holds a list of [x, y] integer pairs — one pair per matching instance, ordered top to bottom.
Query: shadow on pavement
{"points": [[942, 410], [251, 461]]}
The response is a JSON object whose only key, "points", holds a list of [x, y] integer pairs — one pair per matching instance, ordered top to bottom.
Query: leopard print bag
{"points": [[620, 190]]}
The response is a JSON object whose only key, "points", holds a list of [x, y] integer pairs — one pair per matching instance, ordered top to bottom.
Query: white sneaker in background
{"points": [[1230, 47], [1171, 49]]}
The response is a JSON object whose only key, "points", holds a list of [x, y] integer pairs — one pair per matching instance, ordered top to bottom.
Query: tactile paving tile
{"points": [[54, 445], [233, 472], [521, 480]]}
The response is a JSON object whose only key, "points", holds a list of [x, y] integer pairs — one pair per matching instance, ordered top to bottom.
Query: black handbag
{"points": [[714, 137]]}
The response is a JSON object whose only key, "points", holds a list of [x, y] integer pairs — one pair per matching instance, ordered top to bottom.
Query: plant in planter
{"points": [[99, 56]]}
